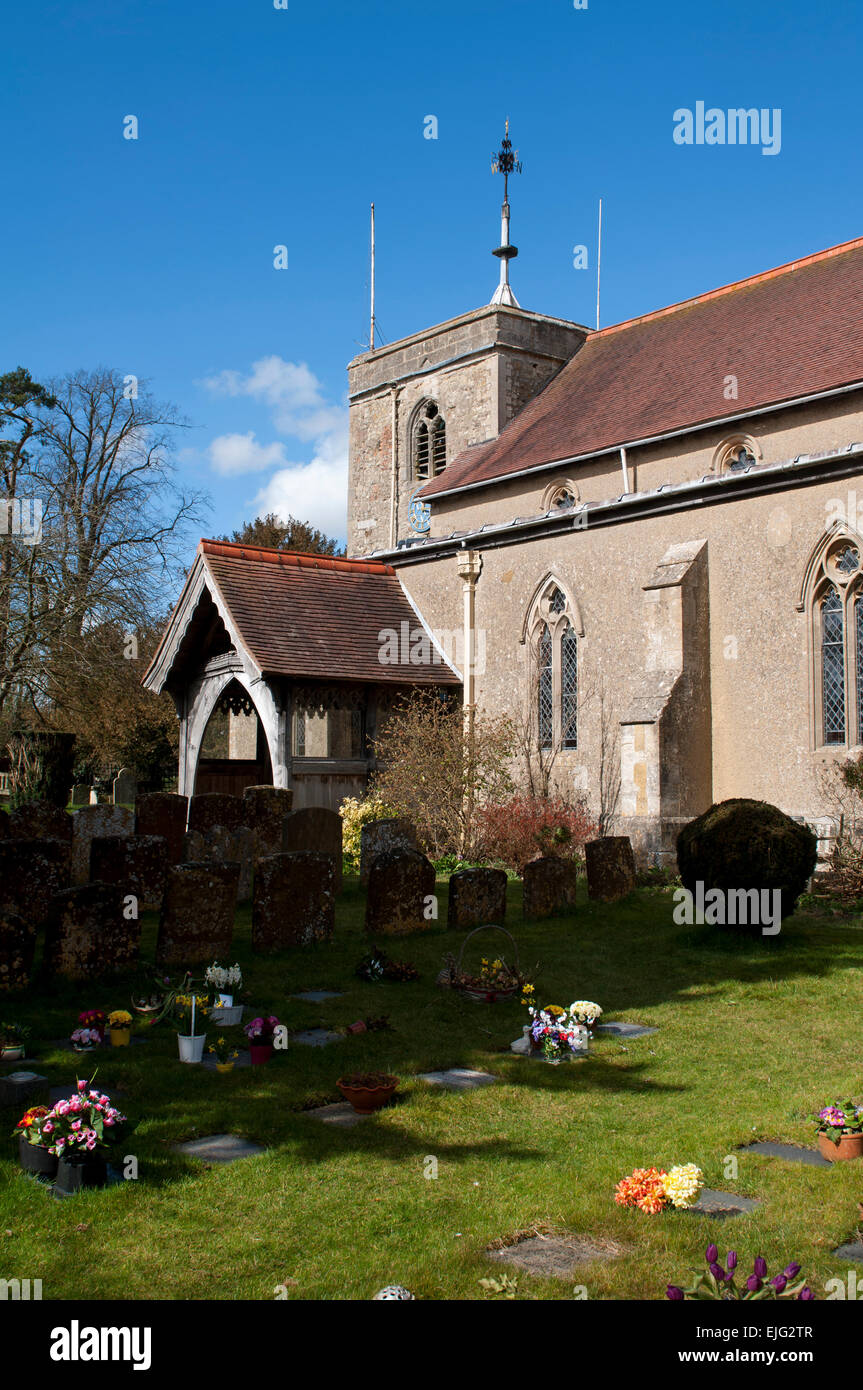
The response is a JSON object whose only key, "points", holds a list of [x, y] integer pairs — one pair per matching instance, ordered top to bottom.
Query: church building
{"points": [[641, 541]]}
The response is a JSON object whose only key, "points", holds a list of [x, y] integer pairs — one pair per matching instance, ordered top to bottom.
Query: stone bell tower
{"points": [[418, 403]]}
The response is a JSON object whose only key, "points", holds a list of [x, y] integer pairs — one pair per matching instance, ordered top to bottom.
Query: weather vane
{"points": [[505, 162]]}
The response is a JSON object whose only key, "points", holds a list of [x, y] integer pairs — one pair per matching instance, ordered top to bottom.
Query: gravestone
{"points": [[125, 788], [80, 795], [94, 797], [215, 808], [264, 809], [164, 814], [40, 820], [92, 822], [315, 828], [380, 836], [219, 845], [135, 863], [610, 868], [31, 872], [549, 886], [401, 888], [477, 898], [294, 901], [197, 918], [89, 932], [17, 948]]}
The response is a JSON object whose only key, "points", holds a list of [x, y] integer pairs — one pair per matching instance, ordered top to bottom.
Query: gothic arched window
{"points": [[429, 443], [836, 599], [553, 630]]}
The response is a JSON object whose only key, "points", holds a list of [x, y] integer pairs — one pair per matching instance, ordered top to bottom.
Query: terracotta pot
{"points": [[121, 1037], [260, 1053], [366, 1099], [840, 1150], [34, 1159], [80, 1171]]}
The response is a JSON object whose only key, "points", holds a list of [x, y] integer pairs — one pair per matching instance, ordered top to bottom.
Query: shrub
{"points": [[355, 814], [528, 826], [745, 844]]}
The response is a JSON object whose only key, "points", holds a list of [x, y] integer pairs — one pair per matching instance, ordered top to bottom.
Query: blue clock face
{"points": [[420, 514]]}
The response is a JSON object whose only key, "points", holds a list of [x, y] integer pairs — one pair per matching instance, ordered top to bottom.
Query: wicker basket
{"points": [[486, 996]]}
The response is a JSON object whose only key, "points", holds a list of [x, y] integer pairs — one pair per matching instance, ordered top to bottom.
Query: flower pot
{"points": [[226, 1001], [225, 1017], [121, 1037], [91, 1047], [191, 1047], [260, 1053], [12, 1054], [224, 1066], [366, 1099], [840, 1150], [34, 1159], [80, 1171]]}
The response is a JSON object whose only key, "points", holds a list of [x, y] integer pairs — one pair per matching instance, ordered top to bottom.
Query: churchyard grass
{"points": [[752, 1036]]}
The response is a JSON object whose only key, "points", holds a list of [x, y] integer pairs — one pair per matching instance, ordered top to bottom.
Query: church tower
{"points": [[418, 403]]}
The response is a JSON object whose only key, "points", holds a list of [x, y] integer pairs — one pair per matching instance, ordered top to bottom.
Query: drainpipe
{"points": [[624, 468], [394, 479]]}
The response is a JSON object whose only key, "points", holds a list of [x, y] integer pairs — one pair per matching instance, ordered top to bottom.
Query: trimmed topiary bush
{"points": [[743, 844]]}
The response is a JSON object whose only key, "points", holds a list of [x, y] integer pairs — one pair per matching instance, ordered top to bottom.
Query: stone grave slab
{"points": [[401, 884], [549, 886], [317, 996], [625, 1030], [316, 1037], [458, 1079], [24, 1088], [341, 1114], [219, 1148], [792, 1152], [721, 1204], [852, 1250], [555, 1257]]}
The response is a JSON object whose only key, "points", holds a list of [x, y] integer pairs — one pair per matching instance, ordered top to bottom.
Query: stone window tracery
{"points": [[428, 447], [836, 588], [553, 633]]}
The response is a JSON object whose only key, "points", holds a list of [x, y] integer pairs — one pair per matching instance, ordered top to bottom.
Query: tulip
{"points": [[711, 1254], [732, 1259], [760, 1266], [792, 1270], [717, 1271], [779, 1282], [753, 1283], [674, 1293]]}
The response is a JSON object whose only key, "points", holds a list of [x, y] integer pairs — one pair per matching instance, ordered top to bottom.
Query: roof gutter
{"points": [[648, 439]]}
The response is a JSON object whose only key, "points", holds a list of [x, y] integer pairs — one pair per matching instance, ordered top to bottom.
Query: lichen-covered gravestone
{"points": [[124, 788], [215, 808], [264, 809], [164, 814], [40, 820], [92, 822], [315, 828], [381, 836], [219, 845], [137, 863], [610, 867], [31, 872], [549, 886], [400, 898], [477, 898], [294, 902], [197, 919], [91, 932], [17, 947]]}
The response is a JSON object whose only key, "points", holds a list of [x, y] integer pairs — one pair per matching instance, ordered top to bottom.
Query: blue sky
{"points": [[261, 126]]}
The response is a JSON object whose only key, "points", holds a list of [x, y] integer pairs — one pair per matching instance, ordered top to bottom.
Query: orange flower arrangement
{"points": [[644, 1189]]}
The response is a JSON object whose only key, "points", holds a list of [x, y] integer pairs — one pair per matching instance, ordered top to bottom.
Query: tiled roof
{"points": [[789, 332], [316, 617]]}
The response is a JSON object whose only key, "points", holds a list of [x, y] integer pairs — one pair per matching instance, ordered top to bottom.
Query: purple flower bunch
{"points": [[261, 1030], [840, 1118], [85, 1122], [719, 1281]]}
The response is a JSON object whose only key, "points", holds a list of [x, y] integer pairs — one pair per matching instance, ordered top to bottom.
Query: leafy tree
{"points": [[273, 533]]}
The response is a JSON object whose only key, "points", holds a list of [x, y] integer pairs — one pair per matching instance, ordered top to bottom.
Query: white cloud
{"points": [[314, 490]]}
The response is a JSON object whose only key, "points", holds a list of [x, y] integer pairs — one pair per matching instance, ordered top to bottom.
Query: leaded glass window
{"points": [[429, 444], [558, 602], [858, 629], [832, 667], [569, 687], [546, 689]]}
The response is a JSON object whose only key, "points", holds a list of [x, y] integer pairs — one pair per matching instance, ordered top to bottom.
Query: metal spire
{"points": [[505, 162]]}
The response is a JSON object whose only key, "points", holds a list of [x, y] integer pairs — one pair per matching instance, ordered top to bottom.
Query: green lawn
{"points": [[754, 1035]]}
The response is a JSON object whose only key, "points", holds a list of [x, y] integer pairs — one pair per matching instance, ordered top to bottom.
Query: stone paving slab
{"points": [[317, 996], [625, 1030], [316, 1037], [458, 1079], [341, 1114], [219, 1148], [792, 1152], [722, 1204], [853, 1250], [555, 1257]]}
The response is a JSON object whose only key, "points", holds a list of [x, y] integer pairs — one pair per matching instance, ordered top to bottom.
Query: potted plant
{"points": [[226, 983], [149, 995], [190, 1010], [585, 1012], [120, 1026], [260, 1033], [555, 1033], [13, 1037], [225, 1057], [368, 1091], [80, 1131], [840, 1131], [34, 1155]]}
